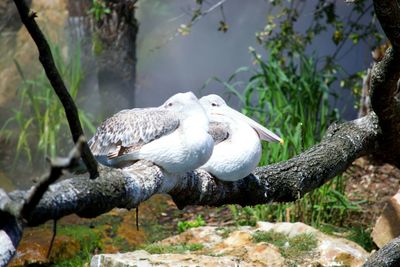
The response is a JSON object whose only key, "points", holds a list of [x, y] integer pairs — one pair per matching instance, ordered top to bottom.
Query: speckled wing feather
{"points": [[128, 130], [219, 131]]}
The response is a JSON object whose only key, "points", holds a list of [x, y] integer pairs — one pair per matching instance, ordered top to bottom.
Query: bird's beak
{"points": [[263, 132]]}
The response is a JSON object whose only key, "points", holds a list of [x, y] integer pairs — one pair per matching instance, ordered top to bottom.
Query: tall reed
{"points": [[292, 98], [40, 119]]}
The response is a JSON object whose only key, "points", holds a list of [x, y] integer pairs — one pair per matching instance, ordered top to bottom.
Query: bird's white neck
{"points": [[197, 119]]}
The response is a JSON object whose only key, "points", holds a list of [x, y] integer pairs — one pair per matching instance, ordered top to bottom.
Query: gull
{"points": [[173, 136], [237, 146]]}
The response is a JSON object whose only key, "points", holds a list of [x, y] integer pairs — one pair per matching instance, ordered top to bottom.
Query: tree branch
{"points": [[46, 58], [384, 83], [385, 101], [57, 167], [284, 181], [16, 207], [10, 235], [388, 255]]}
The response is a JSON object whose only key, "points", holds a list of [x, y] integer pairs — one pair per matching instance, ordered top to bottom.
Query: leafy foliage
{"points": [[99, 9], [283, 34], [290, 91], [293, 97], [184, 225]]}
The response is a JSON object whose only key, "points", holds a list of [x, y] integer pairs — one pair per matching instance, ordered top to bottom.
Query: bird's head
{"points": [[214, 104], [185, 105]]}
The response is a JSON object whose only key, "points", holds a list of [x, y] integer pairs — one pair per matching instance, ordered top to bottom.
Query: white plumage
{"points": [[174, 136], [237, 146]]}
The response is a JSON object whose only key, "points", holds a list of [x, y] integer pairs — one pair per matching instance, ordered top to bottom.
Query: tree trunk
{"points": [[114, 37]]}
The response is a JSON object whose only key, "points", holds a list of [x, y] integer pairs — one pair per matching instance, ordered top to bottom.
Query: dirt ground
{"points": [[374, 183]]}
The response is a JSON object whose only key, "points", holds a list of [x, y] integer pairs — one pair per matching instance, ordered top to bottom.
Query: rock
{"points": [[8, 13], [18, 46], [387, 225], [290, 229], [206, 235], [230, 246], [332, 251], [340, 252], [264, 254], [141, 258]]}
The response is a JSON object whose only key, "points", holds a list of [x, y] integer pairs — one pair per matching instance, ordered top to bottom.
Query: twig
{"points": [[46, 58], [57, 166], [16, 209], [137, 218], [53, 237]]}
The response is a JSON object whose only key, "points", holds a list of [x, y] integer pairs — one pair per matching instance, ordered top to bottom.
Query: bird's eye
{"points": [[170, 104], [214, 104]]}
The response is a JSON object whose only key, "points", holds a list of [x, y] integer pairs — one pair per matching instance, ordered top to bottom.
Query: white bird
{"points": [[174, 136], [237, 146]]}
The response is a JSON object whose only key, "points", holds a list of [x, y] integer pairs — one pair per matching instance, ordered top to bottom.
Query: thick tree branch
{"points": [[388, 13], [46, 58], [384, 83], [385, 101], [57, 167], [284, 181], [16, 208], [10, 235], [388, 255]]}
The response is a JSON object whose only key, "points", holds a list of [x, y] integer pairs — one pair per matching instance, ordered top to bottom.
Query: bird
{"points": [[173, 136], [237, 146]]}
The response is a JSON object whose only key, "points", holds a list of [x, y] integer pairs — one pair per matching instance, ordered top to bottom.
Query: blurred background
{"points": [[296, 66]]}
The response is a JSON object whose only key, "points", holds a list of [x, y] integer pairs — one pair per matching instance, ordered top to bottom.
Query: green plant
{"points": [[99, 9], [323, 19], [293, 97], [40, 117], [183, 226], [362, 237], [89, 240], [178, 248], [292, 248]]}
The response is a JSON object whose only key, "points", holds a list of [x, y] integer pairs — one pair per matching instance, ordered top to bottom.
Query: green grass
{"points": [[291, 98], [40, 118], [184, 225], [358, 234], [362, 237], [89, 241], [178, 248], [291, 248]]}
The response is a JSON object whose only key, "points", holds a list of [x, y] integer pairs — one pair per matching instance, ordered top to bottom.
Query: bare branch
{"points": [[46, 58], [57, 167], [15, 208]]}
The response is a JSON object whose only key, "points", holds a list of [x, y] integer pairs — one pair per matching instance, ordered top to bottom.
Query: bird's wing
{"points": [[128, 130], [219, 131]]}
